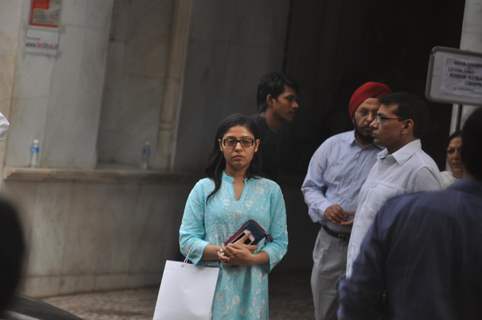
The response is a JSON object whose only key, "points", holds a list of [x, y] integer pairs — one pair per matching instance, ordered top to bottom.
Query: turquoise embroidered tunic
{"points": [[241, 291]]}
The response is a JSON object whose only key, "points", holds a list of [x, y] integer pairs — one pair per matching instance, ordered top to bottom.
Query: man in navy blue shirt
{"points": [[422, 258]]}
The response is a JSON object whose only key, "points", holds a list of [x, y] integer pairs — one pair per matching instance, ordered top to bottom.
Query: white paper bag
{"points": [[186, 292]]}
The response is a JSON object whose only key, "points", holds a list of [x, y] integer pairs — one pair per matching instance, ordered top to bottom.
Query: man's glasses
{"points": [[381, 118], [231, 142]]}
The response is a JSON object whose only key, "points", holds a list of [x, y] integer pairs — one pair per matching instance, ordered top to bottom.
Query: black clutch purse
{"points": [[256, 233]]}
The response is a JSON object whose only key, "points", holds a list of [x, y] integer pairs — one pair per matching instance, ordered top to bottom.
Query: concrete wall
{"points": [[232, 44], [135, 81], [302, 231], [88, 236]]}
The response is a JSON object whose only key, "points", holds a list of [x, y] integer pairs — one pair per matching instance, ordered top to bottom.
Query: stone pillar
{"points": [[10, 21], [471, 40], [58, 99], [170, 108]]}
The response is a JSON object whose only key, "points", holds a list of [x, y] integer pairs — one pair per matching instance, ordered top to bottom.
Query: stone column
{"points": [[10, 21], [471, 40], [57, 99], [170, 108]]}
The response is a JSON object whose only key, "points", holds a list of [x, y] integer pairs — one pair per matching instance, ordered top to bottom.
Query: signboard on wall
{"points": [[45, 13], [42, 41], [454, 76]]}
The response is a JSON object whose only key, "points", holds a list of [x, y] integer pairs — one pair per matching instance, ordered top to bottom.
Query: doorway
{"points": [[334, 46]]}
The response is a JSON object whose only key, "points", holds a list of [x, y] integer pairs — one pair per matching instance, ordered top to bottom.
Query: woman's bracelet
{"points": [[220, 252]]}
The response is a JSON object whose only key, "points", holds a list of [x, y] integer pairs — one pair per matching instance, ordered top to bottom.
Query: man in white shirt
{"points": [[402, 167]]}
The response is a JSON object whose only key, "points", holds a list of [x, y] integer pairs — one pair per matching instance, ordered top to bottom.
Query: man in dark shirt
{"points": [[277, 99], [422, 258]]}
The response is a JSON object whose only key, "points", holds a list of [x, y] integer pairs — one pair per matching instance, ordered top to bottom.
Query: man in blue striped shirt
{"points": [[335, 175]]}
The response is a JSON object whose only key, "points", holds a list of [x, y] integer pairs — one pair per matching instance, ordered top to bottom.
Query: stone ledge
{"points": [[103, 175], [56, 285]]}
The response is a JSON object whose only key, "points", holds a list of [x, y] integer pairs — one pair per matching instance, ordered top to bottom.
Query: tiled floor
{"points": [[290, 296], [290, 299], [113, 305]]}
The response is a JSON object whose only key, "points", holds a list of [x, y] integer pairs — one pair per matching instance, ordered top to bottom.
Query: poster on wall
{"points": [[45, 13], [43, 32]]}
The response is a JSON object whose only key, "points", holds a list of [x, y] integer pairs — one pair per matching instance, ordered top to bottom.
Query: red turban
{"points": [[365, 91]]}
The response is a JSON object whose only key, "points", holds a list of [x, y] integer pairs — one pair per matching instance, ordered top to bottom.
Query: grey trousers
{"points": [[329, 264]]}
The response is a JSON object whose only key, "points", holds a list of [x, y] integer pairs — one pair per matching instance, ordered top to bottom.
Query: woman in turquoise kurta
{"points": [[217, 207]]}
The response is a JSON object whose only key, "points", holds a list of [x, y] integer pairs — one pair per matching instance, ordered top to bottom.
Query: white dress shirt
{"points": [[409, 169], [448, 178]]}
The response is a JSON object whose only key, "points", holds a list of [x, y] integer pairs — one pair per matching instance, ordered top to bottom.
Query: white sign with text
{"points": [[42, 41], [454, 76]]}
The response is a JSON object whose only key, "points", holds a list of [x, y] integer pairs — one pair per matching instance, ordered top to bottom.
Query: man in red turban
{"points": [[335, 175]]}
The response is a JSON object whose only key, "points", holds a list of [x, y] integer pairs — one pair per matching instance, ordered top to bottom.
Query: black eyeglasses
{"points": [[381, 118], [231, 142]]}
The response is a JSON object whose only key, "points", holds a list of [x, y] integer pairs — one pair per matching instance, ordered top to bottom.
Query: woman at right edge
{"points": [[454, 160], [218, 205]]}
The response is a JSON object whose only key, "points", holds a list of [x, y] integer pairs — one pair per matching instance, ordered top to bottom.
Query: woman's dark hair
{"points": [[456, 134], [217, 163]]}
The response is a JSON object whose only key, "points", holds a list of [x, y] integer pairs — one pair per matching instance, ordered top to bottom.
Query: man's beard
{"points": [[365, 135]]}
